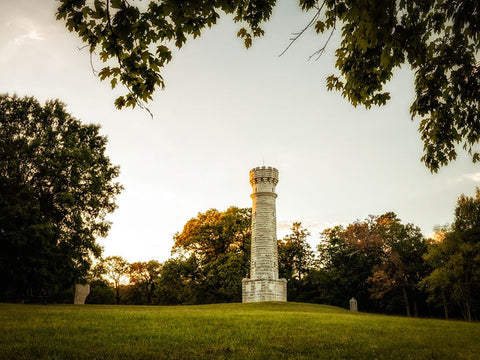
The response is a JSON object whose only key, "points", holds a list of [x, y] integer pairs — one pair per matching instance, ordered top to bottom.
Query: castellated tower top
{"points": [[264, 174]]}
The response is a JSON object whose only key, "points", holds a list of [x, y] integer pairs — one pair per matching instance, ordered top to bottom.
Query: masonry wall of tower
{"points": [[264, 256], [264, 284], [258, 290]]}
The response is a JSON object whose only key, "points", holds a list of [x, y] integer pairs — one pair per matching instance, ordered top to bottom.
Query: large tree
{"points": [[438, 39], [56, 187], [216, 232], [220, 243], [348, 255], [295, 259], [378, 261], [456, 261], [402, 265], [115, 270], [143, 275], [180, 282]]}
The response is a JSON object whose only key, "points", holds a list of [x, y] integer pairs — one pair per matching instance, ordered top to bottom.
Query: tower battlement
{"points": [[266, 174]]}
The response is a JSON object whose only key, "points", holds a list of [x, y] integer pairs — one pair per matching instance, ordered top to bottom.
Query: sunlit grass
{"points": [[226, 331]]}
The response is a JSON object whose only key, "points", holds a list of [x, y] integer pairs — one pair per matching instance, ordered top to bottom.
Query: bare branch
{"points": [[300, 33], [320, 51], [95, 72]]}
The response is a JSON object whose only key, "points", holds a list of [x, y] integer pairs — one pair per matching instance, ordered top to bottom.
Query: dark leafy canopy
{"points": [[439, 39], [56, 187], [294, 253], [349, 256], [295, 260], [378, 261], [456, 261], [402, 265], [180, 282]]}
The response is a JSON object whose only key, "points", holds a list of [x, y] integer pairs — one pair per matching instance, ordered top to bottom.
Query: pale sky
{"points": [[226, 110]]}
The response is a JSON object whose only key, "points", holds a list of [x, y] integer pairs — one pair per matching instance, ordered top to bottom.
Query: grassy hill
{"points": [[226, 331]]}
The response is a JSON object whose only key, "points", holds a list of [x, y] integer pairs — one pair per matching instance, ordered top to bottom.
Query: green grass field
{"points": [[226, 331]]}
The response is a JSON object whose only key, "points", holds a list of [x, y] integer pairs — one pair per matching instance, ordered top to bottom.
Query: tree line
{"points": [[57, 186], [387, 266]]}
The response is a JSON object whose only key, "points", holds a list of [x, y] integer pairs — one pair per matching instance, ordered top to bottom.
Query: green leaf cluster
{"points": [[438, 39], [140, 41]]}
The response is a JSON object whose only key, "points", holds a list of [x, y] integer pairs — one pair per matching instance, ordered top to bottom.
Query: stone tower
{"points": [[264, 284]]}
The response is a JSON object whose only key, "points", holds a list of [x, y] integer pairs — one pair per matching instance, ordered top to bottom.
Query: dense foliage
{"points": [[438, 39], [56, 187], [217, 244], [211, 259], [295, 260], [378, 261], [455, 279]]}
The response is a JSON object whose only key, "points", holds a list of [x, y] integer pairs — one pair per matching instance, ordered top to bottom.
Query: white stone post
{"points": [[264, 284], [81, 293], [353, 304]]}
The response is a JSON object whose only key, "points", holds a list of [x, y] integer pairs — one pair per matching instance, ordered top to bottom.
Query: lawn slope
{"points": [[226, 331]]}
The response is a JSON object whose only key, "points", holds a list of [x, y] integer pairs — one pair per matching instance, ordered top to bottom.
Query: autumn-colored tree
{"points": [[215, 232], [220, 243], [348, 255], [376, 259], [402, 265], [144, 275]]}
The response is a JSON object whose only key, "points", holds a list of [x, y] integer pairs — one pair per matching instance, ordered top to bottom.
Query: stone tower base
{"points": [[257, 290]]}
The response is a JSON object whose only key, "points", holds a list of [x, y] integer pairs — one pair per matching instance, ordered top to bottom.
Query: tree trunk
{"points": [[299, 283], [150, 288], [117, 290], [405, 300], [466, 301], [445, 305], [468, 310]]}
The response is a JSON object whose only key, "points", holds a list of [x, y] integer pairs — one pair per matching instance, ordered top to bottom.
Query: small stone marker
{"points": [[81, 293], [353, 304]]}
